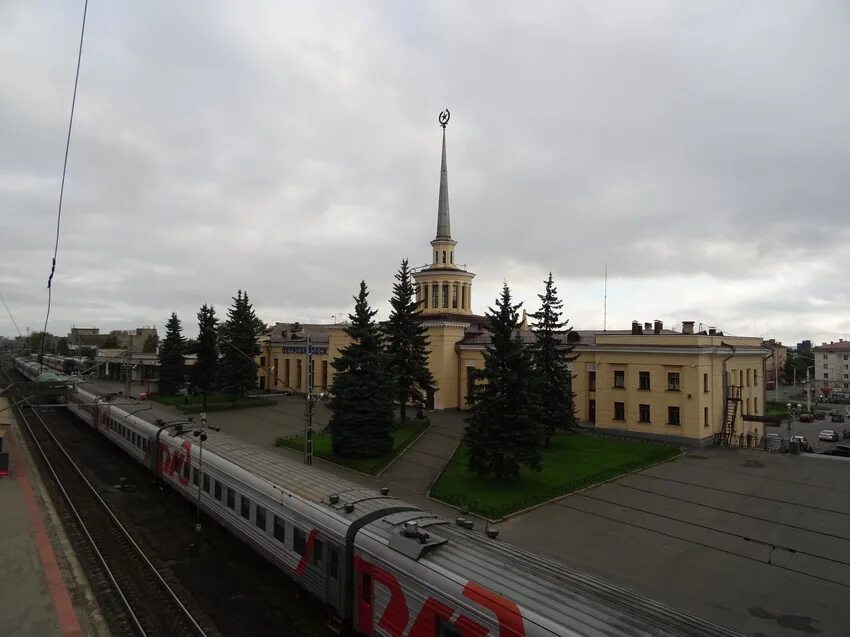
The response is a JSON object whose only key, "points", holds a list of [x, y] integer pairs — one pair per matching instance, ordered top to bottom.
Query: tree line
{"points": [[520, 399]]}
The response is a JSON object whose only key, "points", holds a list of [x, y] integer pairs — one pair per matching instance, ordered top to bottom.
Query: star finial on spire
{"points": [[444, 117]]}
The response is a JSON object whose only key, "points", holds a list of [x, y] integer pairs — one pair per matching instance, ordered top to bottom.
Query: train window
{"points": [[186, 466], [195, 476], [206, 483], [217, 491], [231, 498], [245, 507], [260, 520], [279, 529], [299, 541], [318, 552], [334, 565], [366, 589], [447, 629]]}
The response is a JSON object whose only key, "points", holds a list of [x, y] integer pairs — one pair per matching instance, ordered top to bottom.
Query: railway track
{"points": [[147, 605]]}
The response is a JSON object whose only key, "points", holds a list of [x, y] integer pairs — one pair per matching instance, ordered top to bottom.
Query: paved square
{"points": [[757, 542]]}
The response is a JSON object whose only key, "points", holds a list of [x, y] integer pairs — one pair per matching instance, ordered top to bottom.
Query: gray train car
{"points": [[383, 566]]}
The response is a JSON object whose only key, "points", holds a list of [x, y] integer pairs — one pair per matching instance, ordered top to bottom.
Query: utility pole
{"points": [[127, 370], [775, 378], [808, 391], [308, 424]]}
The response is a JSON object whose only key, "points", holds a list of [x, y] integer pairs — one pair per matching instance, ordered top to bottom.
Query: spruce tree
{"points": [[407, 344], [239, 347], [171, 363], [551, 363], [205, 371], [362, 404], [502, 432]]}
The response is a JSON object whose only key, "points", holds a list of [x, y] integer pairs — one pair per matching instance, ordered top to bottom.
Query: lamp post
{"points": [[808, 389], [793, 412]]}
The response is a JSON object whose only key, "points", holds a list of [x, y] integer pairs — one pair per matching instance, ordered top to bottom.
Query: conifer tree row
{"points": [[407, 345], [239, 347], [551, 356], [171, 362], [205, 371], [362, 402], [502, 431]]}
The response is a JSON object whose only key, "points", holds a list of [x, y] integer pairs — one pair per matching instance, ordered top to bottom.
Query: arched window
{"points": [[444, 256], [452, 256], [436, 257]]}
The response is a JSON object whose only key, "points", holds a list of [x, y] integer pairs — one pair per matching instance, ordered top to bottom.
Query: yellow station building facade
{"points": [[683, 386]]}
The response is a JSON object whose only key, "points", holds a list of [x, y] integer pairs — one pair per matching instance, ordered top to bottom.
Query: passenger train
{"points": [[382, 566]]}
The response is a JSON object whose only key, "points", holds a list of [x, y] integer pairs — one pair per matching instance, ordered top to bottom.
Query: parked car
{"points": [[807, 418], [837, 418], [829, 435], [805, 445]]}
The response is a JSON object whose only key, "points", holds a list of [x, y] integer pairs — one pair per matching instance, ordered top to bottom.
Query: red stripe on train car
{"points": [[506, 611]]}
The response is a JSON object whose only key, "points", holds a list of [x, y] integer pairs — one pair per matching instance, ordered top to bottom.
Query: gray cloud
{"points": [[700, 150]]}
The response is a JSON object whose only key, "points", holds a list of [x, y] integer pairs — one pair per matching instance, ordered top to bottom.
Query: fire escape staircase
{"points": [[733, 399]]}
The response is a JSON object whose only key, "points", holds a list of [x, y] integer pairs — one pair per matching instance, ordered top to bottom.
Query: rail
{"points": [[136, 622]]}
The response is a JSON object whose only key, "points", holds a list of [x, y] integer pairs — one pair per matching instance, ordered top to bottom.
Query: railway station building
{"points": [[646, 381]]}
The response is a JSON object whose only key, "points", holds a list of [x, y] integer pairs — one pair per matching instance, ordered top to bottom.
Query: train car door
{"points": [[332, 577], [365, 596]]}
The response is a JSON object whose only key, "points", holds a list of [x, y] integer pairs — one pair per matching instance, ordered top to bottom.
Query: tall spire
{"points": [[444, 230]]}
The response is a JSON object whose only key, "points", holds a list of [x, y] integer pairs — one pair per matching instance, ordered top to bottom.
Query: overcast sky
{"points": [[702, 150]]}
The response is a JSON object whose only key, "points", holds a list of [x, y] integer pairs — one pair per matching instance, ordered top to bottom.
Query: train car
{"points": [[381, 565]]}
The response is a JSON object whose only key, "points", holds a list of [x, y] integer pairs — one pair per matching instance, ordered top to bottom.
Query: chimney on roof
{"points": [[658, 326], [635, 327], [647, 327], [687, 327]]}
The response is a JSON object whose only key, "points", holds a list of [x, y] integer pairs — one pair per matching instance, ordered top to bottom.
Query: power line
{"points": [[62, 186]]}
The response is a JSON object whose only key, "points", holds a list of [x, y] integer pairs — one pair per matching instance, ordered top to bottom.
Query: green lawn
{"points": [[216, 401], [779, 410], [402, 436], [570, 463]]}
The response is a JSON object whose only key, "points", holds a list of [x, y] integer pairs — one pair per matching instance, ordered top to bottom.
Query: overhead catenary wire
{"points": [[62, 185]]}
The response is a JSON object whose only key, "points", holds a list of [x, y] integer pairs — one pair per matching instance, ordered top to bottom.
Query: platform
{"points": [[34, 599]]}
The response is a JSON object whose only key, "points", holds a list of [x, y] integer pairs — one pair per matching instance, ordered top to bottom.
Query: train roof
{"points": [[543, 586]]}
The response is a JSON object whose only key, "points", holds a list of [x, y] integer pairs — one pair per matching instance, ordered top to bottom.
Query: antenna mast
{"points": [[605, 302]]}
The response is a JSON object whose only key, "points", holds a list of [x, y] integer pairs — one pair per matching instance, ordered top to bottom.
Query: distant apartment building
{"points": [[133, 340], [804, 347], [775, 363], [832, 365]]}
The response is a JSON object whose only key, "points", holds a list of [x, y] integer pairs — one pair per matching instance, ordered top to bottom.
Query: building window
{"points": [[436, 256], [444, 256], [452, 256], [425, 295], [435, 295], [445, 295], [454, 296], [825, 356], [845, 357], [298, 365], [825, 366], [275, 371], [324, 374], [287, 375], [825, 375], [846, 376], [741, 377], [756, 377], [619, 378], [748, 378], [643, 380], [591, 381], [672, 381], [705, 382], [747, 403], [755, 405], [619, 411], [643, 415], [673, 416], [705, 416], [245, 507], [260, 519], [279, 529], [299, 541]]}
